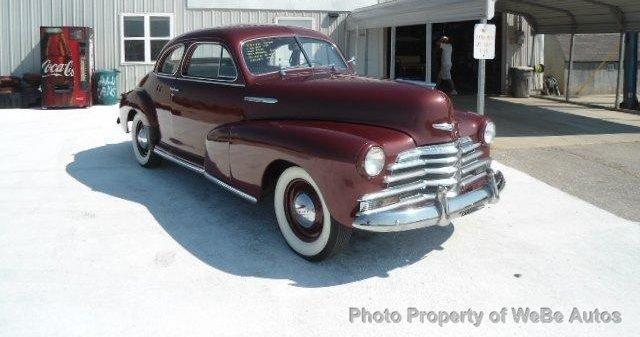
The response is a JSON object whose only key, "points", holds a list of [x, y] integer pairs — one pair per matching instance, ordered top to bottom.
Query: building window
{"points": [[304, 22], [143, 36]]}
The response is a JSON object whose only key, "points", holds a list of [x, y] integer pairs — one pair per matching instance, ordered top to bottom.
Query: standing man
{"points": [[446, 63]]}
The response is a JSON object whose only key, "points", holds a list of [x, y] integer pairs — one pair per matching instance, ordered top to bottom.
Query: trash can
{"points": [[521, 78], [106, 87]]}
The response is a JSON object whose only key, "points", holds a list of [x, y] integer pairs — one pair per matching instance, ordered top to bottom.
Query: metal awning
{"points": [[546, 16], [576, 16]]}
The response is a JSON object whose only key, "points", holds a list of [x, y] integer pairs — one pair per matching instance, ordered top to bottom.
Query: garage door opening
{"points": [[411, 52], [411, 60], [465, 67]]}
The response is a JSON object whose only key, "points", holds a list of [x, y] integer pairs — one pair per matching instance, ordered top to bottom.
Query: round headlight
{"points": [[489, 133], [373, 161]]}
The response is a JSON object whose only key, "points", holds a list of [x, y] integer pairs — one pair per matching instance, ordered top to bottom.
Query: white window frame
{"points": [[300, 18], [146, 38]]}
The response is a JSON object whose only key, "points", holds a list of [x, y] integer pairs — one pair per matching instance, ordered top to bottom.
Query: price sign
{"points": [[484, 42]]}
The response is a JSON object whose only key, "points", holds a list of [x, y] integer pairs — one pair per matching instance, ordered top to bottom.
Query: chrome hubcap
{"points": [[143, 137], [305, 211]]}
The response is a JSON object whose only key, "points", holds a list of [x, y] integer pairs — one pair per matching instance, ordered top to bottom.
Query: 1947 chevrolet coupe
{"points": [[272, 109]]}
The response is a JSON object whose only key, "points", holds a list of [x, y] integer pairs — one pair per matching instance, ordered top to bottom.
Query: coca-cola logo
{"points": [[57, 69]]}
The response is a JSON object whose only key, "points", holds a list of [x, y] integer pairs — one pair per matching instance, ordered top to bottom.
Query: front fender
{"points": [[328, 151]]}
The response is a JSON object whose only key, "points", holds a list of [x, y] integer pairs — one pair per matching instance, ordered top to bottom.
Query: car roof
{"points": [[238, 33]]}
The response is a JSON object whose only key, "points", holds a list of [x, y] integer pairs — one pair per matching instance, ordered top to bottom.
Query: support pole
{"points": [[366, 52], [355, 54], [427, 55], [392, 59], [532, 62], [620, 70], [481, 81], [567, 85], [630, 100]]}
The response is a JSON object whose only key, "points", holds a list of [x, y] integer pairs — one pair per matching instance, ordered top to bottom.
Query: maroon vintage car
{"points": [[272, 109]]}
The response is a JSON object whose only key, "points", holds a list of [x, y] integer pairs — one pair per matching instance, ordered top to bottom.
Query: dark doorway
{"points": [[411, 52], [465, 67]]}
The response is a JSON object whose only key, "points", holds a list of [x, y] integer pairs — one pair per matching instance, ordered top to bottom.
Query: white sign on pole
{"points": [[484, 41]]}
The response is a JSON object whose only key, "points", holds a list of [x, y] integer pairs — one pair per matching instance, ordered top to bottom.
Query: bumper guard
{"points": [[439, 213]]}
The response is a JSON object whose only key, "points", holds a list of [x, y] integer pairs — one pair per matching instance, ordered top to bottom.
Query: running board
{"points": [[198, 169]]}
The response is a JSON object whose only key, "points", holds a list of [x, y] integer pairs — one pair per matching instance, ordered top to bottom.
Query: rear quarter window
{"points": [[170, 63]]}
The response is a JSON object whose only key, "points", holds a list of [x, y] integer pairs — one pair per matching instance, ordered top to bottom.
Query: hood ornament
{"points": [[443, 126]]}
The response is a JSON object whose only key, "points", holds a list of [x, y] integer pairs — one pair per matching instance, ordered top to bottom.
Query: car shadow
{"points": [[237, 237]]}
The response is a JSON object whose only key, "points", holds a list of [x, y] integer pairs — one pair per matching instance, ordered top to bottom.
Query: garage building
{"points": [[155, 22]]}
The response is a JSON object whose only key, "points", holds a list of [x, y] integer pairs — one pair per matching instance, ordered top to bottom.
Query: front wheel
{"points": [[143, 141], [304, 218]]}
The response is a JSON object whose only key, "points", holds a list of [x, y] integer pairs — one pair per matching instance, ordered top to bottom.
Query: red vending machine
{"points": [[66, 54]]}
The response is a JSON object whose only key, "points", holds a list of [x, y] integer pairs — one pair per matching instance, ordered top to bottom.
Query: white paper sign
{"points": [[484, 42]]}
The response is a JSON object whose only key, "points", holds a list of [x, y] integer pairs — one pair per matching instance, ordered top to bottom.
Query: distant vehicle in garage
{"points": [[261, 109]]}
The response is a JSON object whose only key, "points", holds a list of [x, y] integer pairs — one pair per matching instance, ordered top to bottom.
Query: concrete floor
{"points": [[600, 100], [593, 154], [91, 244]]}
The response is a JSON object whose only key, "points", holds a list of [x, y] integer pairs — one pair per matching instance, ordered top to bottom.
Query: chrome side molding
{"points": [[266, 100], [170, 157], [198, 169], [230, 188]]}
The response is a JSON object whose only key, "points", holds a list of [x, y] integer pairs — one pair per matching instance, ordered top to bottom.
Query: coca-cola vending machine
{"points": [[67, 65]]}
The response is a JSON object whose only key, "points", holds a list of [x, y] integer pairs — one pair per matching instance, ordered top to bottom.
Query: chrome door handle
{"points": [[174, 89]]}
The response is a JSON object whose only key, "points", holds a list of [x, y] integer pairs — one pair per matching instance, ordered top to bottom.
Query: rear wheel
{"points": [[143, 137], [304, 219]]}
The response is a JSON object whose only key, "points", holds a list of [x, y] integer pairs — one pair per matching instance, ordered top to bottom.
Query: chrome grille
{"points": [[418, 173]]}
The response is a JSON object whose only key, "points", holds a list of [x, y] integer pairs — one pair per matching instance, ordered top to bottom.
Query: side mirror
{"points": [[352, 61]]}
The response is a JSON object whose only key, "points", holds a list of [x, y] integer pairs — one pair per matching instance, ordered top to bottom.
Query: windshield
{"points": [[272, 54], [322, 54]]}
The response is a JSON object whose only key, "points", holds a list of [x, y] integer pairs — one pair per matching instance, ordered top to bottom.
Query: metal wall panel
{"points": [[20, 21]]}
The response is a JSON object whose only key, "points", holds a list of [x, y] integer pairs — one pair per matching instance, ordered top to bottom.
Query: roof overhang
{"points": [[414, 12], [546, 16]]}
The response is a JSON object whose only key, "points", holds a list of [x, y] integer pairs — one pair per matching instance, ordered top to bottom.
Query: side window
{"points": [[212, 61], [171, 63]]}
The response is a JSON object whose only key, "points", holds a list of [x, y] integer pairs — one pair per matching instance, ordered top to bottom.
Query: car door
{"points": [[163, 90], [209, 93]]}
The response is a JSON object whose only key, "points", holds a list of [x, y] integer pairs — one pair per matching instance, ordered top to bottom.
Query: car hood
{"points": [[405, 107]]}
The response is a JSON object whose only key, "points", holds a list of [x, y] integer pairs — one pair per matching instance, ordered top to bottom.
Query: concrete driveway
{"points": [[587, 152], [91, 244]]}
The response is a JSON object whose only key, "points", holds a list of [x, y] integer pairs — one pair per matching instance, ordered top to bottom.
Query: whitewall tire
{"points": [[143, 138], [304, 218]]}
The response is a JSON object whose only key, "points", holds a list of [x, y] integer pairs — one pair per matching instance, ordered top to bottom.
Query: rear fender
{"points": [[136, 101]]}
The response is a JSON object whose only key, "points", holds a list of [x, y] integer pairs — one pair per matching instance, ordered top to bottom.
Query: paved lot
{"points": [[590, 153], [93, 245]]}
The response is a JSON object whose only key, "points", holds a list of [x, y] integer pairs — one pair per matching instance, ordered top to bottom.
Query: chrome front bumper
{"points": [[439, 213]]}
